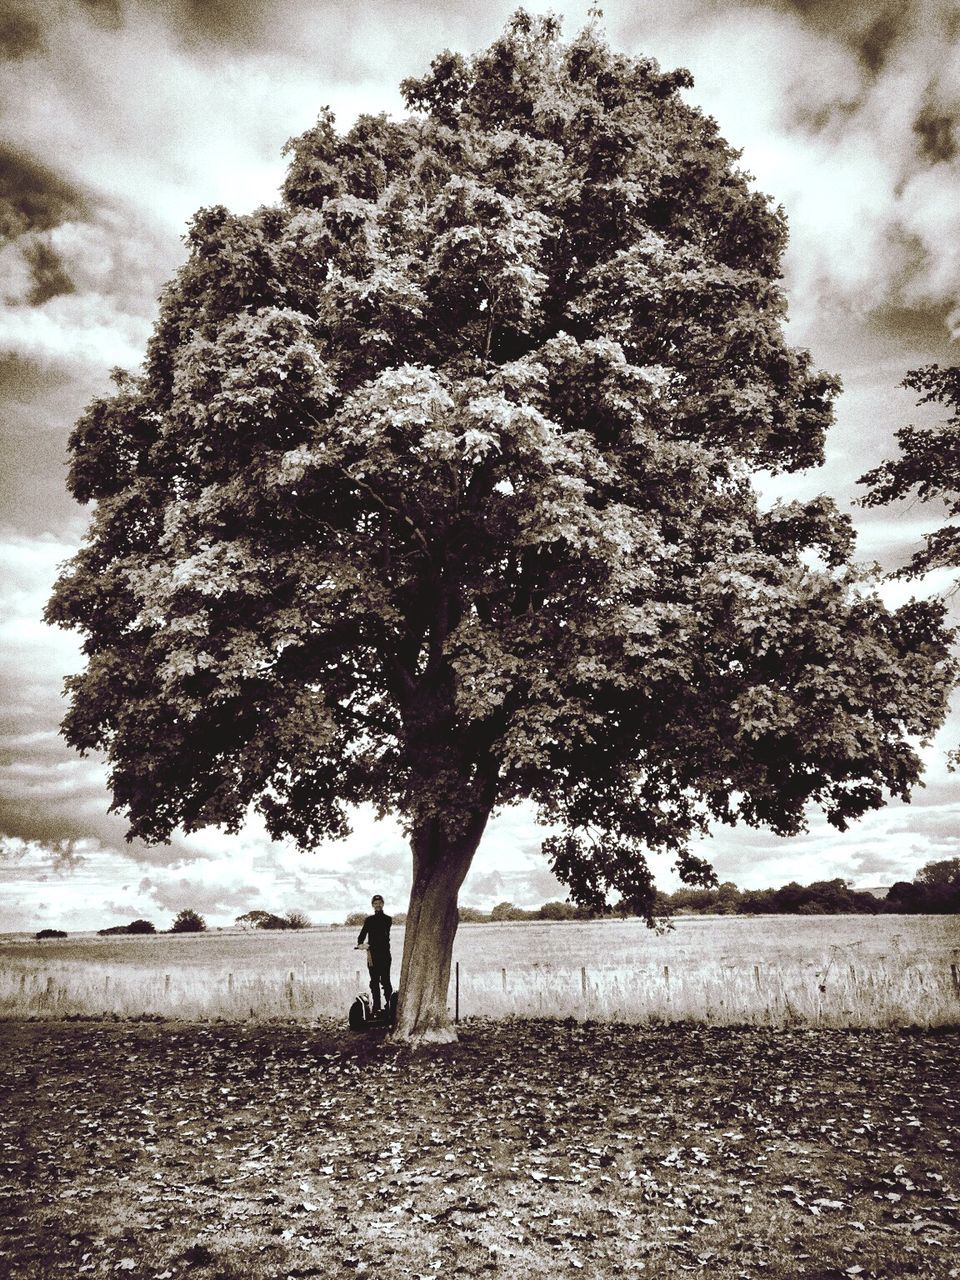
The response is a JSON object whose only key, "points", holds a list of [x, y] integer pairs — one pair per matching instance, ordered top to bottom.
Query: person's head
{"points": [[376, 902]]}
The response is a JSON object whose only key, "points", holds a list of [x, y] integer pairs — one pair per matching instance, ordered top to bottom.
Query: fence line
{"points": [[877, 994]]}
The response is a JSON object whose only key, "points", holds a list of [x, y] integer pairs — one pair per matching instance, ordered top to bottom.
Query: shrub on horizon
{"points": [[188, 921]]}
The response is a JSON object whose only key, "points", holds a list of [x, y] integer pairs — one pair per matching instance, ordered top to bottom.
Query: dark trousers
{"points": [[380, 977]]}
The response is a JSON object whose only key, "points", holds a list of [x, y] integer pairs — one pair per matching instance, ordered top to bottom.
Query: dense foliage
{"points": [[935, 890]]}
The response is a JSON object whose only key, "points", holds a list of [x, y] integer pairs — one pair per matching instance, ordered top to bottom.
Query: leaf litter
{"points": [[539, 1148]]}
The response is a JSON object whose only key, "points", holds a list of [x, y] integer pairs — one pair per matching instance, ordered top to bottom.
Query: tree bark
{"points": [[440, 865]]}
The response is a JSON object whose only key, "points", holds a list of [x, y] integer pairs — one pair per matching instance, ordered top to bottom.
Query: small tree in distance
{"points": [[435, 495], [505, 911], [557, 911], [254, 919], [269, 920], [188, 921], [141, 926]]}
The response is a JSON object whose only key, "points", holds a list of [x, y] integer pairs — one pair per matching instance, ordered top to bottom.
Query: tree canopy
{"points": [[435, 493]]}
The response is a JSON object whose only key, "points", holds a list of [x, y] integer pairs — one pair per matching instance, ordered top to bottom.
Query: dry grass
{"points": [[833, 971], [720, 993]]}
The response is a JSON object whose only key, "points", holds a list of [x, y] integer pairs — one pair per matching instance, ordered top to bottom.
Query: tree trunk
{"points": [[439, 868]]}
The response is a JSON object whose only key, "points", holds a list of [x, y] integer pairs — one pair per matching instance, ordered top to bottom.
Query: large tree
{"points": [[435, 493]]}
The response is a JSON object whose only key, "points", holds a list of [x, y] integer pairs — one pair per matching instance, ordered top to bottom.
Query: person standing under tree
{"points": [[376, 933]]}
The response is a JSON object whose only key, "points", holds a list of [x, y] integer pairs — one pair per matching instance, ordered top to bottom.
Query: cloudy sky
{"points": [[120, 118]]}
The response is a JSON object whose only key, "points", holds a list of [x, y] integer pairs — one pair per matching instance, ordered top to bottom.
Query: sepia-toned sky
{"points": [[120, 118]]}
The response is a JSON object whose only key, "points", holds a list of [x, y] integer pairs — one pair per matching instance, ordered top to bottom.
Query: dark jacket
{"points": [[376, 932]]}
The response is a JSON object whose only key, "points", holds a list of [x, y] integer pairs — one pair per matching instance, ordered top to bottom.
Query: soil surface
{"points": [[531, 1148]]}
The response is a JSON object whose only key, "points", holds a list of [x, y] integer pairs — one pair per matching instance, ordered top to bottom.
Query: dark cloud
{"points": [[106, 13], [236, 22], [231, 24], [328, 29], [872, 29], [21, 35], [342, 42], [875, 42], [830, 116], [936, 133], [33, 197], [50, 278], [919, 334], [20, 377], [57, 806], [869, 863]]}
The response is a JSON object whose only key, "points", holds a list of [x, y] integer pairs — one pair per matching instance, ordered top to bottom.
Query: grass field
{"points": [[780, 971], [253, 1151]]}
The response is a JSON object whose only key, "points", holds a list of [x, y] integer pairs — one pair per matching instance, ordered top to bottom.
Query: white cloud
{"points": [[75, 327]]}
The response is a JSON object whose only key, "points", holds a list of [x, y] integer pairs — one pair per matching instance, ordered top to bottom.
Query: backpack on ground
{"points": [[359, 1015]]}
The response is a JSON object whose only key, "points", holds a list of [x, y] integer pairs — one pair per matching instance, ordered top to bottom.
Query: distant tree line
{"points": [[935, 890], [356, 918], [187, 921], [190, 921]]}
